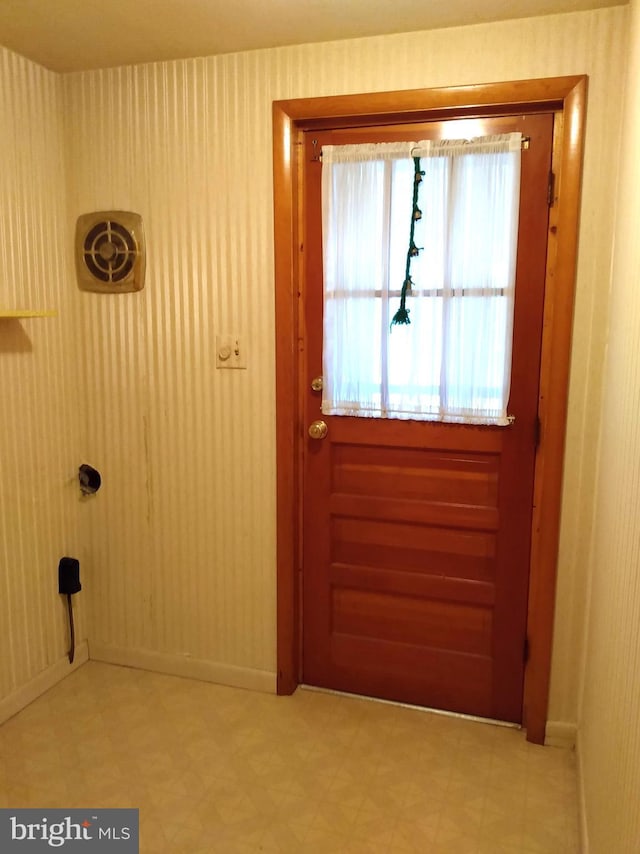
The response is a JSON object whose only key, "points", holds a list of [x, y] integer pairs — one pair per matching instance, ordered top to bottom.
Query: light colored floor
{"points": [[217, 769]]}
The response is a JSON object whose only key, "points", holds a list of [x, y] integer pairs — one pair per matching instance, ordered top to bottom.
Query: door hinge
{"points": [[551, 189], [525, 650]]}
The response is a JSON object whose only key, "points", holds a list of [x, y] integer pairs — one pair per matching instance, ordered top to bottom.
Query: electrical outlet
{"points": [[230, 352]]}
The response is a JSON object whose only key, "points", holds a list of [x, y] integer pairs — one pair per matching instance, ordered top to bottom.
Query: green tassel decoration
{"points": [[401, 317]]}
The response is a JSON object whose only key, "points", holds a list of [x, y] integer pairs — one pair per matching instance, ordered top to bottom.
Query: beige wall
{"points": [[40, 510], [179, 545], [609, 734]]}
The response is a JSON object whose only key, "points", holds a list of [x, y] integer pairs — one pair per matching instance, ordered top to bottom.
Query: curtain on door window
{"points": [[453, 361]]}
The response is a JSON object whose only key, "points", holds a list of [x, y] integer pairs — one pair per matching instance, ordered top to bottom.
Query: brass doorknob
{"points": [[318, 430]]}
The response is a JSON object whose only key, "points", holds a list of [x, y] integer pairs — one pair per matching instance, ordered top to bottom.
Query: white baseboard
{"points": [[183, 665], [41, 683], [560, 734], [582, 804]]}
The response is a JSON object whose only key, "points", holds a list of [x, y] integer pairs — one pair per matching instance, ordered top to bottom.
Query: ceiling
{"points": [[74, 35]]}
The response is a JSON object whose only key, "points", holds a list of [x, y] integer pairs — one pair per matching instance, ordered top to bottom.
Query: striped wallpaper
{"points": [[40, 511], [609, 733]]}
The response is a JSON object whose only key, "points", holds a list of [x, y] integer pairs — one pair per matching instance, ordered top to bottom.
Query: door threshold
{"points": [[428, 709]]}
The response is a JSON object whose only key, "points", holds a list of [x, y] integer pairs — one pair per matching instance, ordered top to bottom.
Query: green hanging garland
{"points": [[402, 314]]}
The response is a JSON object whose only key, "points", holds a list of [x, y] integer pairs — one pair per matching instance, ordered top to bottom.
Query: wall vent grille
{"points": [[110, 255]]}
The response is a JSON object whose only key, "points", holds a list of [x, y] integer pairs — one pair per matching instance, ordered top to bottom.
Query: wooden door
{"points": [[416, 535]]}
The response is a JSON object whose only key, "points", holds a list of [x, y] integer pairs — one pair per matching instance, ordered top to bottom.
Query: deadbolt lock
{"points": [[316, 384]]}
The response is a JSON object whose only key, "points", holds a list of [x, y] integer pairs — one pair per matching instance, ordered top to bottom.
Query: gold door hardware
{"points": [[318, 429]]}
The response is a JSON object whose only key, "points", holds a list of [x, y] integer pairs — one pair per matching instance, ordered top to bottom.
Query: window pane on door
{"points": [[452, 363]]}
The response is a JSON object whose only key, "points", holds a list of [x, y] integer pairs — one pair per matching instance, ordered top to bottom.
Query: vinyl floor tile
{"points": [[217, 770]]}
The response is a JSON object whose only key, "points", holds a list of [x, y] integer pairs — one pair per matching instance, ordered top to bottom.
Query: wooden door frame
{"points": [[566, 97]]}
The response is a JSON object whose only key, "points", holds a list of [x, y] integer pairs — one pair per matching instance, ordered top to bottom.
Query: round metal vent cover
{"points": [[110, 252]]}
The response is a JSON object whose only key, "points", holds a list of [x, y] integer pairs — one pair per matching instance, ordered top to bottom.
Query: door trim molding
{"points": [[566, 97]]}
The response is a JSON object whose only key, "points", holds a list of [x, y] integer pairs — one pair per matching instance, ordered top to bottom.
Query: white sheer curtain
{"points": [[453, 362]]}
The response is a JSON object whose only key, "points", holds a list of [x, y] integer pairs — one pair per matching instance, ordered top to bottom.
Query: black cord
{"points": [[72, 650]]}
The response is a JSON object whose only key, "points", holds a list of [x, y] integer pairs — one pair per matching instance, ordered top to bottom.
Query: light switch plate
{"points": [[230, 352]]}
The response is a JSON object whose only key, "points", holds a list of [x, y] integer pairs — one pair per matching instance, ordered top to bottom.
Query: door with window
{"points": [[418, 479]]}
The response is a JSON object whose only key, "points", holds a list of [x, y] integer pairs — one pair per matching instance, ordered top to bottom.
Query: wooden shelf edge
{"points": [[23, 313]]}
